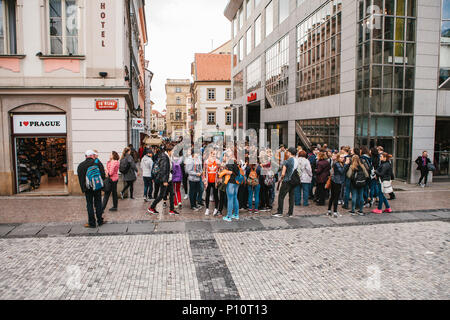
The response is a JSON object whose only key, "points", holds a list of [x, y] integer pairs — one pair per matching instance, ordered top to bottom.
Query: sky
{"points": [[177, 29]]}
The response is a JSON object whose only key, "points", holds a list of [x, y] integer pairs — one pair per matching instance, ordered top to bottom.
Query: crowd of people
{"points": [[212, 174]]}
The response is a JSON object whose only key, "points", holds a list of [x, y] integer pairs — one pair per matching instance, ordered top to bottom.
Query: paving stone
{"points": [[441, 214], [424, 215], [406, 216], [384, 217], [368, 218], [343, 220], [321, 221], [298, 222], [274, 223], [250, 224], [220, 225], [177, 226], [198, 226], [140, 227], [113, 228], [5, 229], [25, 230], [55, 230], [81, 230]]}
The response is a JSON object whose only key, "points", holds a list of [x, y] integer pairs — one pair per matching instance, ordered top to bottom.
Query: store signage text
{"points": [[102, 22], [251, 97], [106, 104], [39, 124], [138, 124]]}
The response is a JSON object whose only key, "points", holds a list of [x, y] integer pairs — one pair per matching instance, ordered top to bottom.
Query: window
{"points": [[257, 2], [299, 2], [248, 6], [283, 10], [241, 17], [269, 18], [63, 26], [235, 26], [8, 27], [257, 31], [249, 41], [241, 49], [235, 55], [444, 61], [277, 72], [254, 75], [238, 85], [178, 90], [227, 93], [211, 94], [178, 100], [178, 115], [211, 117], [228, 118], [322, 131]]}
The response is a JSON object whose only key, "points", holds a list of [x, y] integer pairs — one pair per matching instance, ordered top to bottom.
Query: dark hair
{"points": [[364, 150], [125, 151], [356, 151], [374, 152], [115, 155]]}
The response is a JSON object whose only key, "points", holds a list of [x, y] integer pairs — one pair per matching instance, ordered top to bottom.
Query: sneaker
{"points": [[121, 195], [186, 197], [146, 199], [340, 202], [196, 208], [113, 209], [265, 209], [250, 210], [388, 210], [152, 211], [255, 211], [376, 211], [172, 212], [207, 212], [215, 212], [219, 213], [329, 213], [353, 213], [360, 213], [335, 214], [277, 215], [235, 217], [226, 218], [102, 223], [87, 225]]}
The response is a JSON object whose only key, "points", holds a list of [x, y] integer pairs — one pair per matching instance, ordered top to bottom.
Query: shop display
{"points": [[39, 159]]}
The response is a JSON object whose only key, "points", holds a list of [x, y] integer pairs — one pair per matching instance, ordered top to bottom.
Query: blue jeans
{"points": [[148, 187], [305, 187], [252, 190], [373, 190], [347, 192], [298, 195], [357, 198], [381, 198], [233, 203]]}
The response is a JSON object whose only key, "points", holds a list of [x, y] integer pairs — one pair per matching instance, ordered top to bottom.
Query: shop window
{"points": [[8, 27], [63, 27]]}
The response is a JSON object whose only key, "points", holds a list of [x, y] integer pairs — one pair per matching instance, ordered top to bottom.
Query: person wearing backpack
{"points": [[128, 170], [194, 171], [253, 173], [305, 173], [91, 174], [358, 176], [286, 187]]}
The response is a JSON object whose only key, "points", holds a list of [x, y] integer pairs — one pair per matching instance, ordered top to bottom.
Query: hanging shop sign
{"points": [[252, 97], [106, 104], [39, 124], [138, 124]]}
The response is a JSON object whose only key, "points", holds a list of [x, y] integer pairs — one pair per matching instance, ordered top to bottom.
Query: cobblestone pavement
{"points": [[73, 209], [383, 261]]}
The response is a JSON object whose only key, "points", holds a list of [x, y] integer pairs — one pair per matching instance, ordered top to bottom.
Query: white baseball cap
{"points": [[90, 153]]}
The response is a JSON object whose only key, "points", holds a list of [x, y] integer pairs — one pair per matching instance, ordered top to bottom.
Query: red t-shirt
{"points": [[211, 171]]}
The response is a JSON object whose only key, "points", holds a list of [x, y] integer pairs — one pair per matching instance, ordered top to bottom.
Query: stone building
{"points": [[176, 110]]}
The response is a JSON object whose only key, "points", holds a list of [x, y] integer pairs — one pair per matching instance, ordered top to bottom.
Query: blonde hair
{"points": [[355, 162]]}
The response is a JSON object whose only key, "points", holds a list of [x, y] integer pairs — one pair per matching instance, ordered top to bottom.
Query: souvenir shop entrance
{"points": [[40, 155]]}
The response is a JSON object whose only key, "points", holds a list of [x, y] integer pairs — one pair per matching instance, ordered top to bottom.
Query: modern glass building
{"points": [[346, 72]]}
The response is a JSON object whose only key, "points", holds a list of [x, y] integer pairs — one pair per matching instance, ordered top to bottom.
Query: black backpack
{"points": [[124, 166], [295, 179], [359, 179]]}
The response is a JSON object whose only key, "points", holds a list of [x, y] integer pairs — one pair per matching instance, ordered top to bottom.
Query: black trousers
{"points": [[423, 175], [185, 181], [129, 184], [212, 185], [157, 187], [286, 188], [164, 190], [108, 193], [321, 193], [335, 193], [243, 196], [264, 196], [94, 199], [222, 199]]}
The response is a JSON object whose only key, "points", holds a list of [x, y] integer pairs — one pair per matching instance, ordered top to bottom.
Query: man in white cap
{"points": [[92, 191]]}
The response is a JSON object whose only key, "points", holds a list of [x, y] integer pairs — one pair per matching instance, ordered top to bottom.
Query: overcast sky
{"points": [[177, 29]]}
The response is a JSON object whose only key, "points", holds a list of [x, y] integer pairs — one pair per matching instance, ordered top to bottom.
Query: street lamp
{"points": [[138, 111]]}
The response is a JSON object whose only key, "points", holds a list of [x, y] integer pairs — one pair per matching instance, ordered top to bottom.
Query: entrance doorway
{"points": [[41, 165]]}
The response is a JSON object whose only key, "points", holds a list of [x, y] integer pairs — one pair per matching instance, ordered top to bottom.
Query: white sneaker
{"points": [[186, 197], [207, 212], [215, 212]]}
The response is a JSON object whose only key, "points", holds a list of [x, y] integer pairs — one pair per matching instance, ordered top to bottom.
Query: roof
{"points": [[212, 67]]}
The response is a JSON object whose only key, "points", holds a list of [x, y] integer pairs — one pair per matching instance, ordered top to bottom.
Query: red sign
{"points": [[251, 97], [106, 104]]}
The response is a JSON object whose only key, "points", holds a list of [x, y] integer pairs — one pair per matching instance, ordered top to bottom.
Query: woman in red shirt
{"points": [[112, 173], [210, 175]]}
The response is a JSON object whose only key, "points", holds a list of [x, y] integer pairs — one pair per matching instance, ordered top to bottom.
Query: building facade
{"points": [[345, 72], [66, 82], [212, 91], [176, 113], [158, 122]]}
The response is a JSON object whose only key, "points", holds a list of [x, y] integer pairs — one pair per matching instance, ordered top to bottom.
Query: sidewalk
{"points": [[73, 209]]}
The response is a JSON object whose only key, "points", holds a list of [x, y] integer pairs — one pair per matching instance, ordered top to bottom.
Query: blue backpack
{"points": [[94, 179]]}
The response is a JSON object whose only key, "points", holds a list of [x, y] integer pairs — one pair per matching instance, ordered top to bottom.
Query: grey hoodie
{"points": [[193, 167]]}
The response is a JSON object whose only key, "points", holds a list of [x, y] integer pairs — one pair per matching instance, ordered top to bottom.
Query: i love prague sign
{"points": [[39, 124]]}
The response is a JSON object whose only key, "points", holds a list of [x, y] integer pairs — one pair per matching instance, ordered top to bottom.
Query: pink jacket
{"points": [[112, 168]]}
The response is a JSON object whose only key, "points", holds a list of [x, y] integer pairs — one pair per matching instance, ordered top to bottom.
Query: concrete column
{"points": [[291, 133]]}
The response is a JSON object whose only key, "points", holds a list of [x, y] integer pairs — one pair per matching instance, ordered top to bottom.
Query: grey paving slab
{"points": [[441, 214], [424, 215], [406, 216], [384, 217], [368, 218], [343, 220], [320, 221], [298, 222], [274, 223], [250, 224], [220, 225], [177, 226], [198, 226], [141, 227], [113, 228], [5, 229], [25, 230], [55, 230], [81, 230]]}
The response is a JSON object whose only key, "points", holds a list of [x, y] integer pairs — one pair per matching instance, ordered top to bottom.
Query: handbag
{"points": [[431, 167], [328, 184], [107, 185], [386, 186]]}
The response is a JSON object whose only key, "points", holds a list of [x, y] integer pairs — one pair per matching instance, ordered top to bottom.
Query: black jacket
{"points": [[419, 163], [164, 168], [82, 169], [384, 171]]}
